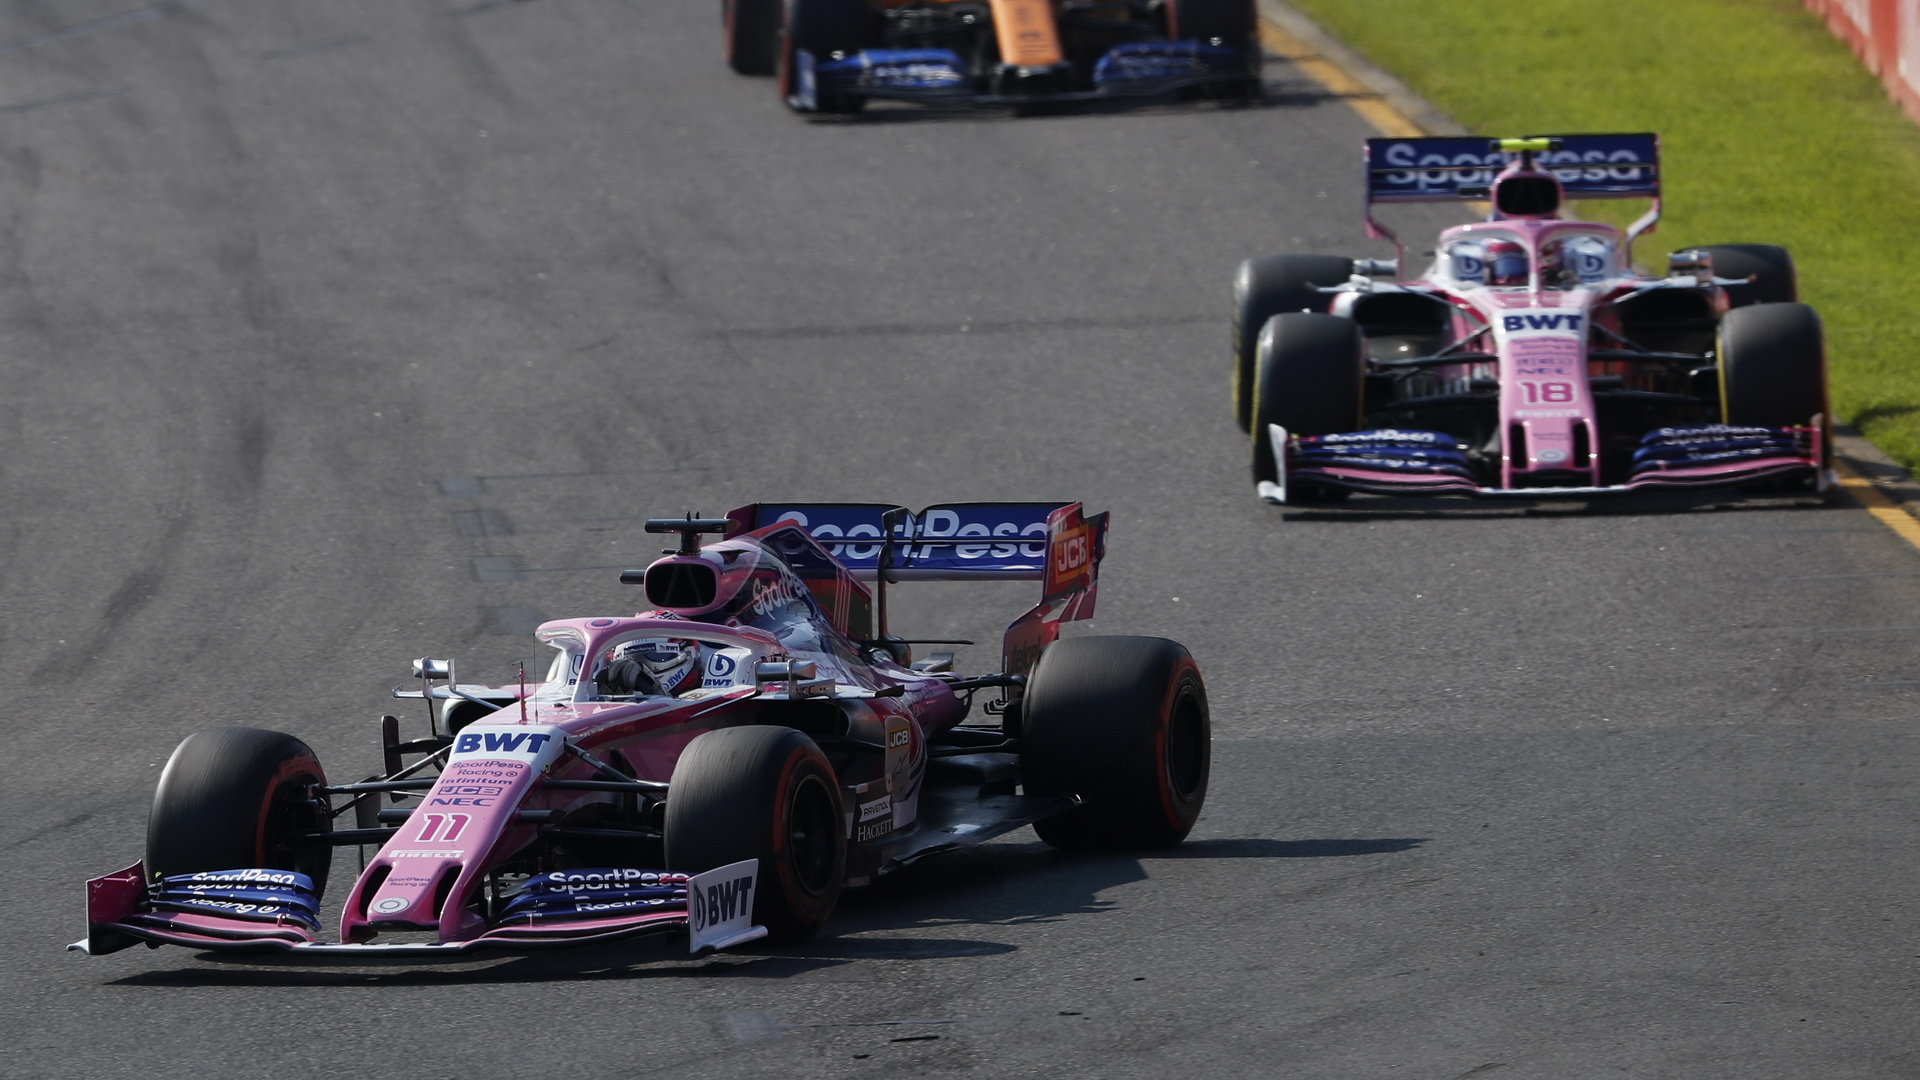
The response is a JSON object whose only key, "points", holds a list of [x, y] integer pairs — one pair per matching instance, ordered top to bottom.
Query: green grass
{"points": [[1770, 132]]}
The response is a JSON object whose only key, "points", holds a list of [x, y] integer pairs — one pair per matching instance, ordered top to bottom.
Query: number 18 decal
{"points": [[1547, 393]]}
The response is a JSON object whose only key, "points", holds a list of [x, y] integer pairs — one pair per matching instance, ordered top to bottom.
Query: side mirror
{"points": [[1691, 263], [434, 670], [778, 671]]}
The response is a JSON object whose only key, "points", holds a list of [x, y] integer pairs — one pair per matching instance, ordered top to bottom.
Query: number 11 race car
{"points": [[833, 56], [1529, 358], [721, 765]]}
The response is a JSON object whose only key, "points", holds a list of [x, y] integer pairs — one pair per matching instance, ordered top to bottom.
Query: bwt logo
{"points": [[1511, 323], [499, 742], [720, 902]]}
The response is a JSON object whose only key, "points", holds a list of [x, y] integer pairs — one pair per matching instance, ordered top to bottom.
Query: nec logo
{"points": [[1511, 323], [499, 742]]}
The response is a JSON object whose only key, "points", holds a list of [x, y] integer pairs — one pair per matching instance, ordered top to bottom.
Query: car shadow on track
{"points": [[1001, 884]]}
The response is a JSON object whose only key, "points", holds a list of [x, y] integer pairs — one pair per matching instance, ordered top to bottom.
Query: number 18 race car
{"points": [[833, 56], [1529, 358], [721, 765]]}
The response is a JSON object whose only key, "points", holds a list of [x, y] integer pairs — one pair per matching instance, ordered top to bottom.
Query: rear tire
{"points": [[823, 28], [752, 35], [1774, 278], [1265, 287], [1773, 369], [1310, 375], [1121, 722], [764, 793], [238, 799]]}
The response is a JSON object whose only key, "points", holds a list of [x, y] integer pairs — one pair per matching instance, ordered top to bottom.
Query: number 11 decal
{"points": [[443, 828]]}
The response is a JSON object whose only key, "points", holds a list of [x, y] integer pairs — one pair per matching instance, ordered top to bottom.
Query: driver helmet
{"points": [[1585, 259], [1506, 263], [654, 665]]}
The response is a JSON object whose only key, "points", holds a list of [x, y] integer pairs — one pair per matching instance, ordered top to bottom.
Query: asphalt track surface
{"points": [[339, 334]]}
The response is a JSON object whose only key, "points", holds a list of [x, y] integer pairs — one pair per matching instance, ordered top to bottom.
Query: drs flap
{"points": [[1614, 166], [949, 542]]}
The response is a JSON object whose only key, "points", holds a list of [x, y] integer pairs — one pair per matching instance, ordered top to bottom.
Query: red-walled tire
{"points": [[1121, 722], [764, 793], [239, 799]]}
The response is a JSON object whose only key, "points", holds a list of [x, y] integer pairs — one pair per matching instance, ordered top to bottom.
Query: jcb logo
{"points": [[1071, 553]]}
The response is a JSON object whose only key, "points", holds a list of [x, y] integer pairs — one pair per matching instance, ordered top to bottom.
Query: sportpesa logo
{"points": [[1445, 172]]}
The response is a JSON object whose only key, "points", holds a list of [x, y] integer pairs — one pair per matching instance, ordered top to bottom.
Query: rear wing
{"points": [[1462, 168], [950, 542], [1054, 543]]}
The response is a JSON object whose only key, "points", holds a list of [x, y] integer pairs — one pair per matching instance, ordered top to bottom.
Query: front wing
{"points": [[943, 77], [1387, 463], [123, 911]]}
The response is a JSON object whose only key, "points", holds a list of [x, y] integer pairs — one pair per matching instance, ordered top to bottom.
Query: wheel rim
{"points": [[1186, 749], [292, 811], [812, 835]]}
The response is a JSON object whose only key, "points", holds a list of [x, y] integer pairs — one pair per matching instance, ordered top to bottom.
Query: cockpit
{"points": [[1501, 259]]}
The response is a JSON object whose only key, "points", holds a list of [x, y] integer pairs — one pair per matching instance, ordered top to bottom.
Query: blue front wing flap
{"points": [[940, 76], [1661, 452]]}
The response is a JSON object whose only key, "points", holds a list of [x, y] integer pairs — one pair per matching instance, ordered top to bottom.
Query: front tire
{"points": [[1233, 23], [824, 28], [752, 35], [1265, 287], [1773, 369], [1310, 379], [1121, 722], [764, 793], [239, 799]]}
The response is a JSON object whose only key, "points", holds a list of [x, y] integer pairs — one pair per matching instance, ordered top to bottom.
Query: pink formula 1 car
{"points": [[1529, 358], [721, 765]]}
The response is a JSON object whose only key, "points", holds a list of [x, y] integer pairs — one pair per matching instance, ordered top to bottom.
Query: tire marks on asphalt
{"points": [[100, 25]]}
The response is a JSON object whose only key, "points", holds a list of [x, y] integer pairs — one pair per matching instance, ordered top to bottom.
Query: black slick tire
{"points": [[1233, 23], [823, 28], [752, 29], [1771, 268], [1265, 287], [1773, 370], [1309, 377], [1121, 722], [764, 793], [237, 799]]}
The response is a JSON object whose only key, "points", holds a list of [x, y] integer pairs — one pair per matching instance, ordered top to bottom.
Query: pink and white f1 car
{"points": [[1529, 358], [721, 765]]}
